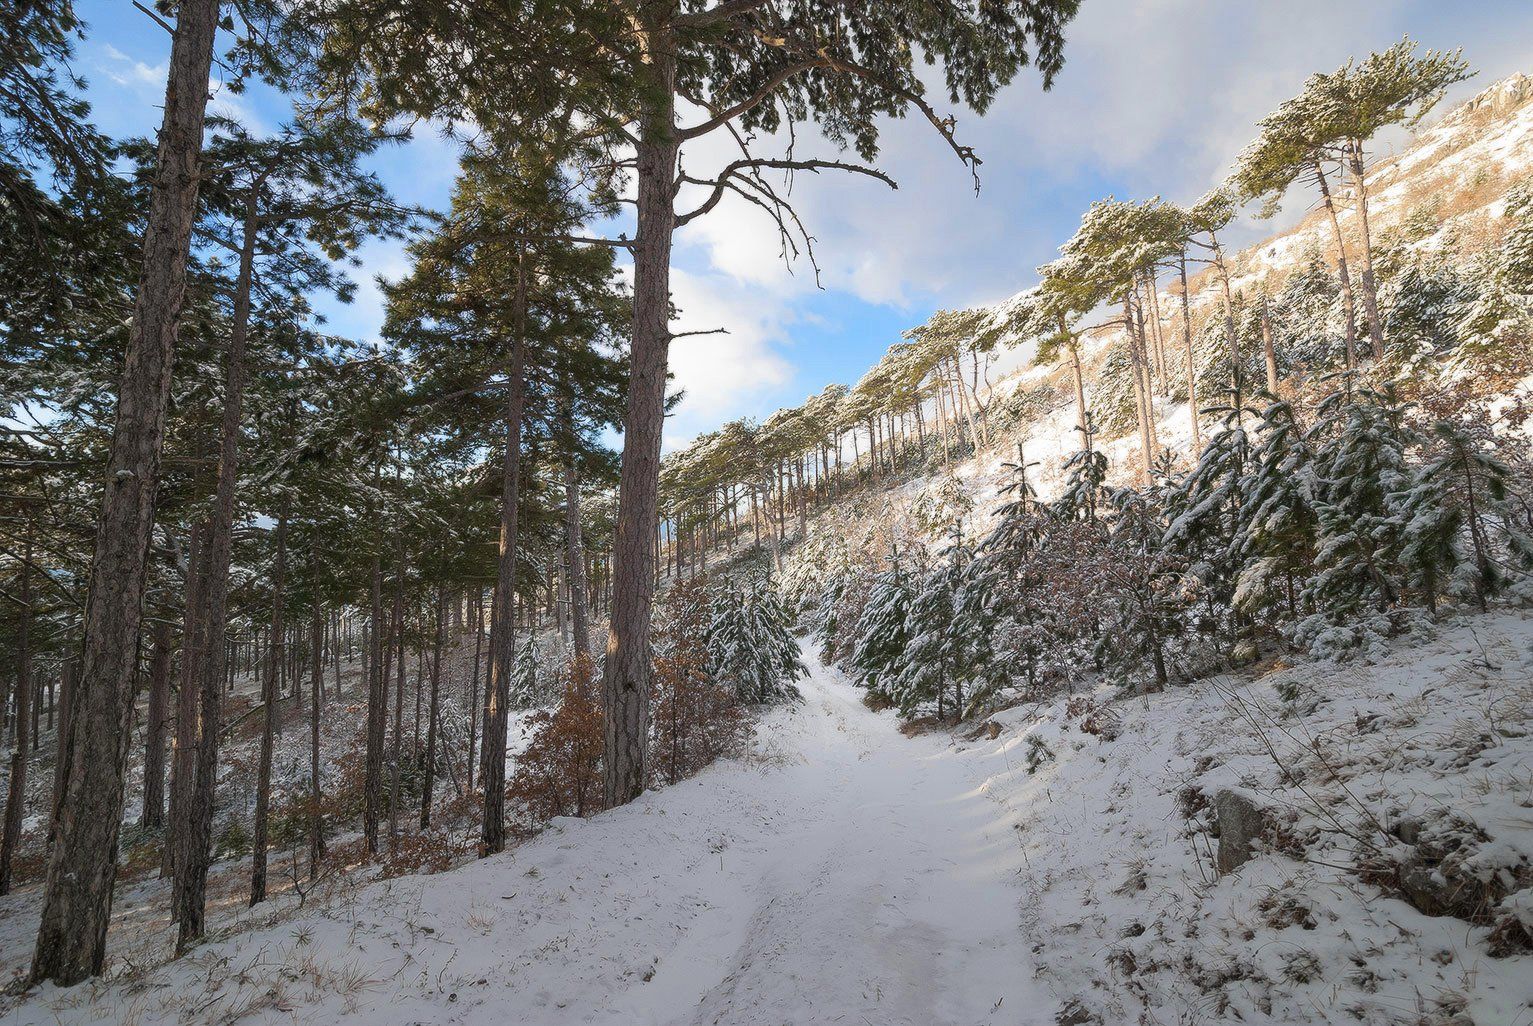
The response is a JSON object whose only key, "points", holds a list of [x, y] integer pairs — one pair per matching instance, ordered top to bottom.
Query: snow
{"points": [[1058, 855], [842, 873]]}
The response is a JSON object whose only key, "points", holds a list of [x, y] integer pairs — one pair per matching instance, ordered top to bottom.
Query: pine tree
{"points": [[749, 67], [1360, 442], [1276, 546], [883, 630], [750, 644]]}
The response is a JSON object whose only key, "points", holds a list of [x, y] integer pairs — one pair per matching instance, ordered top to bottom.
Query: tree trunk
{"points": [[1370, 287], [1348, 301], [1268, 351], [1192, 370], [1141, 399], [575, 562], [502, 656], [317, 674], [473, 685], [625, 685], [271, 695], [399, 698], [433, 707], [377, 711], [183, 759], [16, 798], [153, 817], [82, 866], [191, 874]]}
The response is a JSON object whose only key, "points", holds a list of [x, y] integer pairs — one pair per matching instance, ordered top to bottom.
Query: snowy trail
{"points": [[846, 874]]}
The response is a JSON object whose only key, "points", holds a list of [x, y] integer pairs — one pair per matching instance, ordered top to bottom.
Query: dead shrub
{"points": [[695, 720], [559, 774]]}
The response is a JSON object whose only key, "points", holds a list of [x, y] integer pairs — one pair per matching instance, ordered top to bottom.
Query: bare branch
{"points": [[754, 164]]}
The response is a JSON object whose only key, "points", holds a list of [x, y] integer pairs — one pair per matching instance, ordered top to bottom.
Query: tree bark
{"points": [[1370, 286], [1348, 301], [1268, 351], [1192, 370], [1141, 399], [575, 561], [502, 657], [212, 666], [625, 686], [271, 695], [399, 699], [433, 707], [377, 711], [183, 758], [16, 798], [316, 806], [153, 817], [82, 867]]}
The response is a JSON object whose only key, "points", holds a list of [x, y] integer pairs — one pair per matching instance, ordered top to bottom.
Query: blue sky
{"points": [[1156, 98]]}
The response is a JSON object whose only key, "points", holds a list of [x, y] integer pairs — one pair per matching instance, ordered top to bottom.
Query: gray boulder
{"points": [[1241, 823]]}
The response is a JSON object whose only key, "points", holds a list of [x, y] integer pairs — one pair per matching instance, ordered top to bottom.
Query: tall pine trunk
{"points": [[1370, 286], [1348, 301], [1269, 351], [1192, 369], [575, 562], [502, 657], [317, 675], [625, 686], [271, 696], [433, 707], [377, 710], [183, 756], [16, 798], [153, 817], [82, 866], [191, 873]]}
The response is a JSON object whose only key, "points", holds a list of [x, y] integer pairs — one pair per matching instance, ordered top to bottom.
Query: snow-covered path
{"points": [[845, 874]]}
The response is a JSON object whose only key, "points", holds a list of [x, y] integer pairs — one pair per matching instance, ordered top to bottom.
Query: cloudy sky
{"points": [[1156, 97]]}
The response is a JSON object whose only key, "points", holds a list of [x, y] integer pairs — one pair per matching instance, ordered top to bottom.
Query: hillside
{"points": [[1153, 647]]}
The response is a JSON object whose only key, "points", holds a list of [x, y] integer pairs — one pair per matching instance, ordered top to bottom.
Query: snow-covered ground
{"points": [[1054, 864], [842, 873]]}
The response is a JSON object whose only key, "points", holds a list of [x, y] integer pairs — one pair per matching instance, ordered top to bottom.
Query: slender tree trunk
{"points": [[1370, 287], [1348, 301], [1229, 312], [1268, 351], [1192, 369], [1141, 400], [575, 562], [502, 656], [68, 676], [473, 686], [625, 686], [271, 696], [399, 699], [433, 708], [377, 712], [183, 759], [16, 797], [316, 801], [153, 817], [82, 866], [191, 874]]}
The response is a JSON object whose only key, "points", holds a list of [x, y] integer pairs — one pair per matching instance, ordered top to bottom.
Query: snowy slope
{"points": [[1058, 862], [844, 873]]}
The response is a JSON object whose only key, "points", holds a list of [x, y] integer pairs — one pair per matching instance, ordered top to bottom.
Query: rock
{"points": [[1241, 823], [1408, 829]]}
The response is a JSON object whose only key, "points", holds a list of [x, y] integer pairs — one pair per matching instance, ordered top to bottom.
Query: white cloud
{"points": [[1155, 98], [721, 374]]}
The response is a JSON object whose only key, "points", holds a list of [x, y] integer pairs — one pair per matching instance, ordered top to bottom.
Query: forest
{"points": [[294, 619]]}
